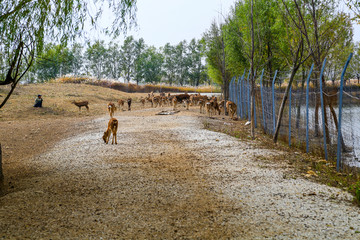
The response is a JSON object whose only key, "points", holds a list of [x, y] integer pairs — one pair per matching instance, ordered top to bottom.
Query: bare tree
{"points": [[321, 27], [21, 57]]}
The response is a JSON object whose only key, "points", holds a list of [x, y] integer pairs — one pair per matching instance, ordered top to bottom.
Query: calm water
{"points": [[350, 130]]}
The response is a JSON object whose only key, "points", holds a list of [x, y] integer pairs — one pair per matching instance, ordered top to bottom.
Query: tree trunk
{"points": [[297, 63], [224, 75], [252, 77], [9, 94], [282, 106], [298, 112], [1, 174]]}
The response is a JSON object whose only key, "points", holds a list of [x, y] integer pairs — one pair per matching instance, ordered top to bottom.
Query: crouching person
{"points": [[38, 101]]}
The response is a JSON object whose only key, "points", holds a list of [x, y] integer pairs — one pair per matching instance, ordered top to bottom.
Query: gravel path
{"points": [[170, 179]]}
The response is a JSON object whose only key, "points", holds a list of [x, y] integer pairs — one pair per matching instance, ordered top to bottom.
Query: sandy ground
{"points": [[167, 178]]}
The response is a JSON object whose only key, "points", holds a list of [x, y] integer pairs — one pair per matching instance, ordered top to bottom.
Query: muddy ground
{"points": [[167, 178]]}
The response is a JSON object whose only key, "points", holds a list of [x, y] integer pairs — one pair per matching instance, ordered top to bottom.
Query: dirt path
{"points": [[169, 179]]}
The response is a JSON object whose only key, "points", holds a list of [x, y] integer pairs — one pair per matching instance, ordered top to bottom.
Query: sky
{"points": [[163, 21], [171, 21]]}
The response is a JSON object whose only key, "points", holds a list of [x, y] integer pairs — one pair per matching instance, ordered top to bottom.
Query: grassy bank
{"points": [[57, 100]]}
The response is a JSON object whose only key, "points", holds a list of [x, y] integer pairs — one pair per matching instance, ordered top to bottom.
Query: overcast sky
{"points": [[163, 21]]}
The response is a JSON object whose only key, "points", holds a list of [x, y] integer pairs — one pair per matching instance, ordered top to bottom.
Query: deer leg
{"points": [[87, 107], [108, 138]]}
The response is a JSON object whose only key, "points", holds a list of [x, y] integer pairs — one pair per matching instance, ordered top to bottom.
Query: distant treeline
{"points": [[133, 61]]}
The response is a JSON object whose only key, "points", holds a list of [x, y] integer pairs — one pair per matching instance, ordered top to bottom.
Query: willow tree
{"points": [[25, 25]]}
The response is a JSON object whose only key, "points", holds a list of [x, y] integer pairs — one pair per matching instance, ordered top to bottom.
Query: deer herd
{"points": [[209, 104]]}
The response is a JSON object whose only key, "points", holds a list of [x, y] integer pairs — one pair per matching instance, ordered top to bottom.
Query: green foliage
{"points": [[58, 20], [25, 24], [138, 50], [96, 57], [128, 58], [56, 61], [113, 61], [133, 61], [169, 63], [149, 65], [196, 68], [217, 68], [357, 194]]}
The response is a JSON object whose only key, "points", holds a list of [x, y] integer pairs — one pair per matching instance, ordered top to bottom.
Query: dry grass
{"points": [[133, 88], [57, 100]]}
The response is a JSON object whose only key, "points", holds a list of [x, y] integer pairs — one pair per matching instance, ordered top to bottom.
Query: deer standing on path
{"points": [[112, 128]]}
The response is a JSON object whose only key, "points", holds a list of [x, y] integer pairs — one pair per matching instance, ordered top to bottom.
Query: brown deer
{"points": [[179, 99], [150, 100], [142, 101], [156, 101], [187, 103], [202, 103], [81, 104], [121, 104], [221, 105], [212, 106], [111, 108], [231, 108], [209, 109], [112, 128]]}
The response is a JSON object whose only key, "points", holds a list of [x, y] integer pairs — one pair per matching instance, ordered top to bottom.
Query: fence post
{"points": [[230, 88], [233, 89], [245, 89], [237, 96], [249, 97], [242, 98], [262, 98], [273, 101], [254, 102], [307, 108], [323, 109], [255, 111], [239, 112], [290, 116], [339, 142]]}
